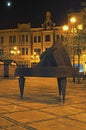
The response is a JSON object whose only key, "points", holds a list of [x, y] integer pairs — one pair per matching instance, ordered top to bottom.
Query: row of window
{"points": [[24, 38], [39, 38], [48, 38], [24, 51]]}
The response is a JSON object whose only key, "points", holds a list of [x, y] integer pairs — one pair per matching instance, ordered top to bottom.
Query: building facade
{"points": [[25, 44]]}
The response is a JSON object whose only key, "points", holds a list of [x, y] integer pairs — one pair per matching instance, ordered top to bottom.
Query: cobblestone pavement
{"points": [[41, 109]]}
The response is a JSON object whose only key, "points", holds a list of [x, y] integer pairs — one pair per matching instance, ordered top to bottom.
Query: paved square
{"points": [[41, 109]]}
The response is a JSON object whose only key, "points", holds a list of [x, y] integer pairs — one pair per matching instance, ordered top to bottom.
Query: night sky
{"points": [[33, 11]]}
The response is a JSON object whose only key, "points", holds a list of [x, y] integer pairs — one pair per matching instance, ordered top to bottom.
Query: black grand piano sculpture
{"points": [[54, 62]]}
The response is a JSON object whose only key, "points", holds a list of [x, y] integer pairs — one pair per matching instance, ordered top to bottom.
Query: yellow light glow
{"points": [[73, 19], [65, 27], [80, 27], [15, 48], [11, 52], [18, 52], [34, 53], [32, 56], [37, 56]]}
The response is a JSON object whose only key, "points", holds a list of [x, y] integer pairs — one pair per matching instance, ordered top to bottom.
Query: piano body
{"points": [[54, 62]]}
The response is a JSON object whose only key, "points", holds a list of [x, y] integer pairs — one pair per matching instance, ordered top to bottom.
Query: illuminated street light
{"points": [[73, 21], [65, 28], [79, 29], [14, 53]]}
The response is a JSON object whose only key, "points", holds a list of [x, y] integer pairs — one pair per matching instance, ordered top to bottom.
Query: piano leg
{"points": [[21, 85], [62, 87]]}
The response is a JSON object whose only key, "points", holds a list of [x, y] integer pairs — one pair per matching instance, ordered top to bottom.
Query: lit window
{"points": [[38, 51]]}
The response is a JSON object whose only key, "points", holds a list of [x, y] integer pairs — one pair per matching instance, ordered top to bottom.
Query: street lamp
{"points": [[73, 21], [79, 28], [65, 29], [15, 52]]}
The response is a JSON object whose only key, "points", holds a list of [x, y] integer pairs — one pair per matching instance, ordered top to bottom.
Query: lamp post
{"points": [[73, 21], [79, 28], [65, 29]]}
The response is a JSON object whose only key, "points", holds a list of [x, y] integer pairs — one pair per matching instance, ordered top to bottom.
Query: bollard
{"points": [[21, 85]]}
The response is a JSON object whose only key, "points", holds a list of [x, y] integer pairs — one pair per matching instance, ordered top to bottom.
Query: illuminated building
{"points": [[30, 41]]}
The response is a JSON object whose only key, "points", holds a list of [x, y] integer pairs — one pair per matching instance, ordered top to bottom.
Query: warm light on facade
{"points": [[35, 57]]}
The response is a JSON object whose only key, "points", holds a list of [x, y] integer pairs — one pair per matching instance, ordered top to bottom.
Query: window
{"points": [[48, 23], [57, 37], [23, 38], [26, 38], [39, 38], [47, 38], [62, 38], [2, 39], [10, 39], [14, 39], [35, 39], [23, 51], [26, 51], [38, 51], [1, 52]]}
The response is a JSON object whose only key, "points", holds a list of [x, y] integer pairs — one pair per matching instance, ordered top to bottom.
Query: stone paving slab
{"points": [[41, 108]]}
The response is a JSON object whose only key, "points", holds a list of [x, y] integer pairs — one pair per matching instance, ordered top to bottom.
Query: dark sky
{"points": [[25, 11]]}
